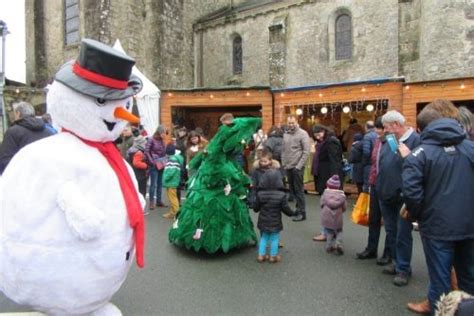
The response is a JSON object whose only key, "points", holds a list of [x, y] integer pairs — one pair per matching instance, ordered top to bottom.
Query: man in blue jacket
{"points": [[438, 182], [389, 189]]}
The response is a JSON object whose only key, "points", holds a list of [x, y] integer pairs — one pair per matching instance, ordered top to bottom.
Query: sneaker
{"points": [[145, 213], [330, 249], [389, 269], [401, 279]]}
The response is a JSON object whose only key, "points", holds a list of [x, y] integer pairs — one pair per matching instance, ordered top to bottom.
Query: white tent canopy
{"points": [[148, 99]]}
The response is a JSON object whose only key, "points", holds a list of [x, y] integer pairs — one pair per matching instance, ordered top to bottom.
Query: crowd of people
{"points": [[423, 176]]}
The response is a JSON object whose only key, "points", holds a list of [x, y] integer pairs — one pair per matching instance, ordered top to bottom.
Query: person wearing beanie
{"points": [[172, 179], [333, 204]]}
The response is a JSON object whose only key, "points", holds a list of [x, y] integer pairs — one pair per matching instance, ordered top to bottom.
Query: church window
{"points": [[71, 22], [343, 37], [237, 55]]}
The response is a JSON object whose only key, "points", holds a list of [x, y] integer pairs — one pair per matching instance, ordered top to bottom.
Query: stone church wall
{"points": [[285, 43], [309, 59]]}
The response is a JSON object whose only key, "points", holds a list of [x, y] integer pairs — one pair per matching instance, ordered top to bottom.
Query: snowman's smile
{"points": [[110, 125]]}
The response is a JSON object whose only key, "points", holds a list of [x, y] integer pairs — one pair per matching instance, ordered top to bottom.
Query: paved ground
{"points": [[307, 282]]}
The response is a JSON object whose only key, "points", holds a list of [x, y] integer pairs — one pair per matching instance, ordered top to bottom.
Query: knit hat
{"points": [[139, 142], [170, 149], [333, 182]]}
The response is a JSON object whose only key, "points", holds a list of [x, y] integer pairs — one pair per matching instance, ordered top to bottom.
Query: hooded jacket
{"points": [[21, 133], [274, 143], [173, 171], [389, 178], [438, 182], [271, 201], [333, 204]]}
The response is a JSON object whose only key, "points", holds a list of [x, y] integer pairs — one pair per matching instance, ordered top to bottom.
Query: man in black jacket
{"points": [[25, 129], [438, 182], [389, 190]]}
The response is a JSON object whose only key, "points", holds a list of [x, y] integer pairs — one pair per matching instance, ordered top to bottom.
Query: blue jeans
{"points": [[156, 184], [398, 232], [274, 239], [404, 246], [440, 257]]}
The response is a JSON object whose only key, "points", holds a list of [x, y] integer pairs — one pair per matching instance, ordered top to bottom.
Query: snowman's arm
{"points": [[84, 219]]}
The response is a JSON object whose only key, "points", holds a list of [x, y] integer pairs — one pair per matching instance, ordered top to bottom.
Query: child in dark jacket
{"points": [[260, 166], [270, 203], [333, 204]]}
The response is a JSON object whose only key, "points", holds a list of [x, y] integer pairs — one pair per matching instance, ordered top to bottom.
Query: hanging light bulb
{"points": [[369, 107], [346, 109], [324, 110], [299, 111]]}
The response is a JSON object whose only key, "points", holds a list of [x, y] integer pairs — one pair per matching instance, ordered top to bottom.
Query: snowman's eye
{"points": [[100, 101], [127, 106]]}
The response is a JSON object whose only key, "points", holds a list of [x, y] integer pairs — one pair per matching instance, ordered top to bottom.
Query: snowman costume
{"points": [[71, 218]]}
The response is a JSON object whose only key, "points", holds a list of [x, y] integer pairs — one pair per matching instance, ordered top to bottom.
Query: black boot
{"points": [[299, 217], [366, 254]]}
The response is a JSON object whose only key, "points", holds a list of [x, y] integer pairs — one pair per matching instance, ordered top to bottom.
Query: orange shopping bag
{"points": [[360, 213]]}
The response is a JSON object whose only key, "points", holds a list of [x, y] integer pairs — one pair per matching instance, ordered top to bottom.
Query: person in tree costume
{"points": [[215, 214]]}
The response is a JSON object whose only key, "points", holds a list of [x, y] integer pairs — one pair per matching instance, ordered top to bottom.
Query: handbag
{"points": [[161, 163], [360, 212]]}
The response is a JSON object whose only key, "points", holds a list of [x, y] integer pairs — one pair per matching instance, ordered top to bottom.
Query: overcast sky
{"points": [[12, 12]]}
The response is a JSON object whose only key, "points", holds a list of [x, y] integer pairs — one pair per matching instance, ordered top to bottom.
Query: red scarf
{"points": [[134, 207]]}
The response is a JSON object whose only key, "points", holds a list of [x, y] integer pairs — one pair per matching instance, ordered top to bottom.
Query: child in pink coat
{"points": [[333, 204]]}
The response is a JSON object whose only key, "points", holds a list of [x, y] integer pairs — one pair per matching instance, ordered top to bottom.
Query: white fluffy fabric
{"points": [[81, 114], [64, 230]]}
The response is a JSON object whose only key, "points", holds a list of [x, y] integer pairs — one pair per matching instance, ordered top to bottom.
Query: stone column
{"points": [[277, 57]]}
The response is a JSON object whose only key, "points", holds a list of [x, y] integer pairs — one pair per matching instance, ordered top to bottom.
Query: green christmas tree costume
{"points": [[212, 217]]}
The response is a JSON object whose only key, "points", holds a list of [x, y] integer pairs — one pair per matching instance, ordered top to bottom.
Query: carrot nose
{"points": [[123, 114]]}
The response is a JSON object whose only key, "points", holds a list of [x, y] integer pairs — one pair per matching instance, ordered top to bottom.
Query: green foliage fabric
{"points": [[224, 219]]}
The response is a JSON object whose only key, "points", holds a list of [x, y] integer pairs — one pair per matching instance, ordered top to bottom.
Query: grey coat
{"points": [[295, 149]]}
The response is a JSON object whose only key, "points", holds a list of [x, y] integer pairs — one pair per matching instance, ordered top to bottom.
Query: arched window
{"points": [[71, 22], [343, 37], [237, 55]]}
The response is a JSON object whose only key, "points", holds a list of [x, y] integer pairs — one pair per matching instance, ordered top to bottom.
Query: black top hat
{"points": [[101, 72]]}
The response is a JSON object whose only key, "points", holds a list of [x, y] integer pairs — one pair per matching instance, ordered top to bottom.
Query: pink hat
{"points": [[333, 182]]}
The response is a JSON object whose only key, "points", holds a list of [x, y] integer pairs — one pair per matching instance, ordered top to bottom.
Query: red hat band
{"points": [[98, 78]]}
